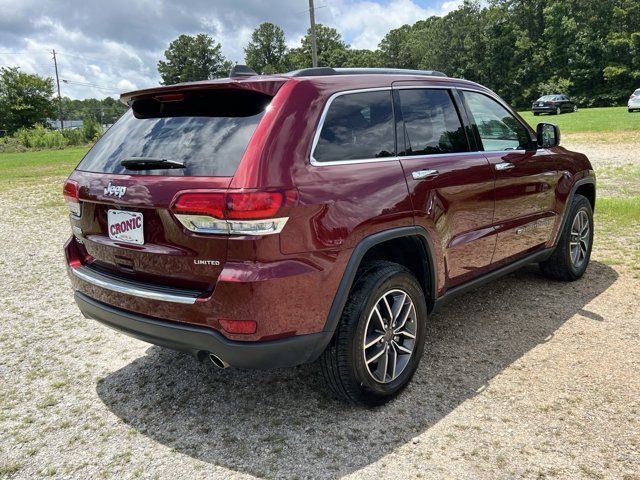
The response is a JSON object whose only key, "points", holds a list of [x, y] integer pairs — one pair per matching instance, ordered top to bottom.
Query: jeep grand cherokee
{"points": [[269, 221]]}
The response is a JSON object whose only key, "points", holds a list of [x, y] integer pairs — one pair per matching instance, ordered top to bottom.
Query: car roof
{"points": [[340, 79]]}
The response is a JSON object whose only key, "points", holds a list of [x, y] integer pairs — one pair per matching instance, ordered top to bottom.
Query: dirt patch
{"points": [[523, 378]]}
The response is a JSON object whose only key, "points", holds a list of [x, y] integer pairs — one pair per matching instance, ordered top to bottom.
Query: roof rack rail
{"points": [[320, 71]]}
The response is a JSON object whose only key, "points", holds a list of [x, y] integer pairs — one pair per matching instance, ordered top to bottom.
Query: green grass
{"points": [[608, 119], [39, 164], [621, 212]]}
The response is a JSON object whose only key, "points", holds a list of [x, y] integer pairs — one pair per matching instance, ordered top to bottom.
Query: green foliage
{"points": [[331, 49], [265, 52], [192, 58], [25, 99], [105, 111], [40, 137], [43, 138]]}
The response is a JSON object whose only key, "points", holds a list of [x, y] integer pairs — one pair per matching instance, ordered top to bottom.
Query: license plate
{"points": [[125, 226]]}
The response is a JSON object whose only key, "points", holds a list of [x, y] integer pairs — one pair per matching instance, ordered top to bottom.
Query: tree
{"points": [[394, 48], [266, 50], [332, 51], [192, 58], [25, 99], [104, 111]]}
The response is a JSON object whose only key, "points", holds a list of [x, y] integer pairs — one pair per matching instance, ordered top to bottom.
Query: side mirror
{"points": [[548, 135]]}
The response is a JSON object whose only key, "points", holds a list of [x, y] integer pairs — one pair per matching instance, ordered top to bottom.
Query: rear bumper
{"points": [[543, 109], [286, 352]]}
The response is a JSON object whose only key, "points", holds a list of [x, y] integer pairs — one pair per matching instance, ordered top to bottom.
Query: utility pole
{"points": [[312, 18], [55, 64]]}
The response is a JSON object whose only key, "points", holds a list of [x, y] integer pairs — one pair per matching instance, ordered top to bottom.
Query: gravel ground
{"points": [[525, 378]]}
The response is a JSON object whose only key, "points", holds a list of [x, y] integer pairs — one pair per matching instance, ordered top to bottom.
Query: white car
{"points": [[634, 101]]}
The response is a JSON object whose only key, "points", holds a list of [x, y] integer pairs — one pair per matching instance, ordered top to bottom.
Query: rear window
{"points": [[357, 126], [207, 132]]}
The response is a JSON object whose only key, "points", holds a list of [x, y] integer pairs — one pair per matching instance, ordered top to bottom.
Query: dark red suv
{"points": [[269, 221]]}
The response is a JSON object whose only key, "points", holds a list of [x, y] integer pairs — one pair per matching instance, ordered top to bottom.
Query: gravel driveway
{"points": [[524, 378]]}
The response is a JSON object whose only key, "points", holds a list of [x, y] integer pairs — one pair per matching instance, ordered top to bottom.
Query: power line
{"points": [[93, 85]]}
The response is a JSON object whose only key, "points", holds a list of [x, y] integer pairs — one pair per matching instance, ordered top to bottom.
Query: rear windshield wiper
{"points": [[146, 163]]}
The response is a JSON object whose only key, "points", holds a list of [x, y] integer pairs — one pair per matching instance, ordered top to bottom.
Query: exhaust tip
{"points": [[217, 361]]}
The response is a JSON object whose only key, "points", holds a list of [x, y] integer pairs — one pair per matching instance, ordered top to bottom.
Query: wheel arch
{"points": [[586, 187], [379, 246]]}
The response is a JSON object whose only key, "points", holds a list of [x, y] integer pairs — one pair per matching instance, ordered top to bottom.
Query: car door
{"points": [[565, 104], [526, 177], [451, 186]]}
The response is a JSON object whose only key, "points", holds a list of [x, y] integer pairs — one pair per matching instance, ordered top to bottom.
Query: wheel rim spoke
{"points": [[579, 239], [389, 336], [371, 343], [402, 349], [376, 356], [394, 360], [385, 364]]}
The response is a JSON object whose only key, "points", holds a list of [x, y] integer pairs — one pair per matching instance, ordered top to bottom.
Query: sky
{"points": [[108, 47]]}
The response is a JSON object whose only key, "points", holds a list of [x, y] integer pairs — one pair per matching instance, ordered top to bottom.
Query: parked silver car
{"points": [[634, 101]]}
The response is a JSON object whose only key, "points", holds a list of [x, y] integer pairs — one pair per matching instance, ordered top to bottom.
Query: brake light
{"points": [[70, 193], [211, 204], [252, 205], [234, 212], [239, 326]]}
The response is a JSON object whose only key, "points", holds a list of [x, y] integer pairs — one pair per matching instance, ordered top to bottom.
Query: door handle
{"points": [[504, 166], [424, 174]]}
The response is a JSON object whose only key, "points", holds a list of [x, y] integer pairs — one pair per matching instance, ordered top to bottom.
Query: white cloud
{"points": [[115, 45]]}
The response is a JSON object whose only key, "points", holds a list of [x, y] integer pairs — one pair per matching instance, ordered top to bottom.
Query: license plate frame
{"points": [[125, 226]]}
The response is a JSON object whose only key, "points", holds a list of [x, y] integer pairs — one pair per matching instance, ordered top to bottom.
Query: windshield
{"points": [[205, 145]]}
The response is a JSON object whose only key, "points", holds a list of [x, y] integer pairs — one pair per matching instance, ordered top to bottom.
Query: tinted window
{"points": [[431, 123], [357, 126], [498, 129], [194, 134]]}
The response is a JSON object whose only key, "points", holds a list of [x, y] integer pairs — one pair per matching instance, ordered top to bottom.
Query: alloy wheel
{"points": [[580, 238], [389, 336]]}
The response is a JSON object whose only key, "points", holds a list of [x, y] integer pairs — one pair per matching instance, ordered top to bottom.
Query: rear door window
{"points": [[431, 123], [357, 126], [208, 133]]}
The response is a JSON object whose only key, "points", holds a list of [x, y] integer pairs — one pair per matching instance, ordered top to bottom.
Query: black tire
{"points": [[535, 114], [562, 265], [343, 363]]}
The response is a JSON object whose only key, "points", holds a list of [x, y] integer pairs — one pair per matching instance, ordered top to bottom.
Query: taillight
{"points": [[70, 193], [234, 212]]}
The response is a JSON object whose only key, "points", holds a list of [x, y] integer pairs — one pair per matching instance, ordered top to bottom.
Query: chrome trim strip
{"points": [[316, 137], [402, 157], [330, 163], [269, 226], [128, 289]]}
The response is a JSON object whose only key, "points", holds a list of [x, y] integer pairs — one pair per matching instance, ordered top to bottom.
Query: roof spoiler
{"points": [[239, 71]]}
